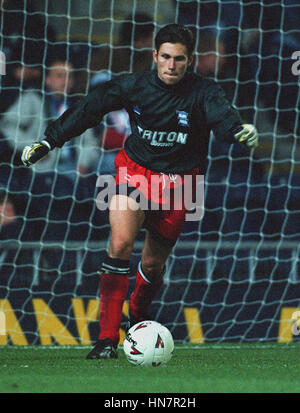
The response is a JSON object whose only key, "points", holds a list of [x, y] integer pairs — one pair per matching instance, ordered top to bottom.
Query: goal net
{"points": [[233, 276]]}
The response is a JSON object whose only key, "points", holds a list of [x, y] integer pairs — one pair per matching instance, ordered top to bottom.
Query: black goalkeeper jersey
{"points": [[170, 125]]}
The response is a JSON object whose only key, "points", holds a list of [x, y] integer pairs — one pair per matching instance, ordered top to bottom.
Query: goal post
{"points": [[234, 275]]}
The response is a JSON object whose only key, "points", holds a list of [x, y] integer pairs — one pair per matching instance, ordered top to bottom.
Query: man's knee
{"points": [[121, 247], [153, 268]]}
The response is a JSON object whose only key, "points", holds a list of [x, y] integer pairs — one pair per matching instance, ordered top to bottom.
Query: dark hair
{"points": [[176, 33]]}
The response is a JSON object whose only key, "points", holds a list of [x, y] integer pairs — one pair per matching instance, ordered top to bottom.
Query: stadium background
{"points": [[232, 277]]}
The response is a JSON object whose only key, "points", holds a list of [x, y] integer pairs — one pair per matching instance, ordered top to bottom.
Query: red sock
{"points": [[113, 290], [143, 295]]}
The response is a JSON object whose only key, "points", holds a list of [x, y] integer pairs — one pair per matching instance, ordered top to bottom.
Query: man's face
{"points": [[172, 62], [211, 63], [60, 78], [7, 213]]}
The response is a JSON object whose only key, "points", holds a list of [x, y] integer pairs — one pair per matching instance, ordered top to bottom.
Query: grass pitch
{"points": [[232, 368]]}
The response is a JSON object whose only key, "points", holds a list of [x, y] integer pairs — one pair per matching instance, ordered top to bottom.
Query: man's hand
{"points": [[248, 135], [34, 152]]}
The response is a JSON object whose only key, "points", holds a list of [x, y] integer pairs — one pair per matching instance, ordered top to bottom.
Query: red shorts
{"points": [[163, 197]]}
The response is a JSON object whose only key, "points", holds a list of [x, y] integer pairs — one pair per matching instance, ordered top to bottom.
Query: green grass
{"points": [[232, 368]]}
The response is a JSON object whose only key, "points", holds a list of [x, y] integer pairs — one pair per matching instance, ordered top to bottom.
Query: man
{"points": [[23, 37], [172, 112], [30, 114]]}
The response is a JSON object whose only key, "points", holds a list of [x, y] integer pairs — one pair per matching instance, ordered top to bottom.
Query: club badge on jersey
{"points": [[183, 118]]}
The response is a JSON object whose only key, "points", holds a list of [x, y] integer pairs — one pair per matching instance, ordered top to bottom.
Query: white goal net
{"points": [[233, 276]]}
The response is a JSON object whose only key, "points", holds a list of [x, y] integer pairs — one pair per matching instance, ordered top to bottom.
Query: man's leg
{"points": [[126, 219], [149, 278]]}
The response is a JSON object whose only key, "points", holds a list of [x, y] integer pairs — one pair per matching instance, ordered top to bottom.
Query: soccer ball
{"points": [[148, 343]]}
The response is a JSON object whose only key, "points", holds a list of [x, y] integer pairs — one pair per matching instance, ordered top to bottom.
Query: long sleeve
{"points": [[86, 113], [222, 118]]}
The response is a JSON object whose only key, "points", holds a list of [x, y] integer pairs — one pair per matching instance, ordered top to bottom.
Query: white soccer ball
{"points": [[148, 343]]}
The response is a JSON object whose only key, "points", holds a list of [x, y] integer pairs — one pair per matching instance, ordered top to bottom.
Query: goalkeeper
{"points": [[172, 112]]}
